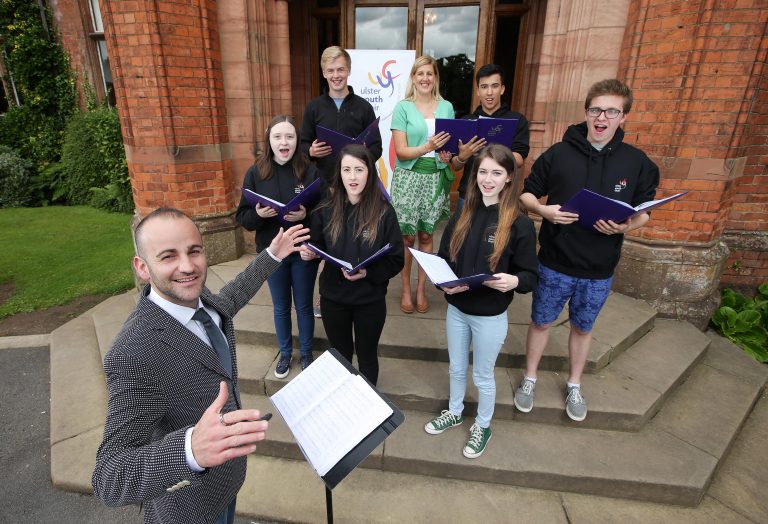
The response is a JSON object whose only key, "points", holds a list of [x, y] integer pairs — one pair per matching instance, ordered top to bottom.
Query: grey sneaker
{"points": [[316, 312], [283, 367], [524, 395], [575, 404], [439, 424], [478, 440]]}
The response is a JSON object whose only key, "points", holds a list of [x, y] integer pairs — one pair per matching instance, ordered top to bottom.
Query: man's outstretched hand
{"points": [[214, 443]]}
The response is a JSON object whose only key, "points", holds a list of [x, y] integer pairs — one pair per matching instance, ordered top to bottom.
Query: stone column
{"points": [[580, 45], [256, 66], [694, 68], [169, 84]]}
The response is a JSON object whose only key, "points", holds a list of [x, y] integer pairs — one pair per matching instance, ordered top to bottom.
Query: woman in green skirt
{"points": [[421, 181]]}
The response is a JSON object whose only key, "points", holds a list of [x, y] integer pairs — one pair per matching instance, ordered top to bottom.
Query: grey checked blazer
{"points": [[161, 378]]}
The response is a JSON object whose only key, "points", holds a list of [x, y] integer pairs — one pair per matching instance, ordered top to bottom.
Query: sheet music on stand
{"points": [[330, 411]]}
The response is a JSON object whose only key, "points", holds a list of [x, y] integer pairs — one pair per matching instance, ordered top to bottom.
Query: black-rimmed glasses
{"points": [[611, 112]]}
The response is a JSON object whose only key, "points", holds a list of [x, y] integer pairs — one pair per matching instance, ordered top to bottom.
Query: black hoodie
{"points": [[351, 119], [519, 145], [620, 171], [282, 186], [518, 258], [333, 285]]}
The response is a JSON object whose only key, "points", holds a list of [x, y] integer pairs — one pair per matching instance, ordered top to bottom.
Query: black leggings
{"points": [[367, 321]]}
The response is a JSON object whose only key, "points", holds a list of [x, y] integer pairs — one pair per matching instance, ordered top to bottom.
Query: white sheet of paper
{"points": [[435, 267], [329, 411]]}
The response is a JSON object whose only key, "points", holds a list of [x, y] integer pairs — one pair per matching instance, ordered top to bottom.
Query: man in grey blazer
{"points": [[176, 437]]}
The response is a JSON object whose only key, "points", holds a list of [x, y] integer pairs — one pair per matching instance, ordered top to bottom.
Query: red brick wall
{"points": [[73, 24], [696, 69], [168, 81], [747, 265]]}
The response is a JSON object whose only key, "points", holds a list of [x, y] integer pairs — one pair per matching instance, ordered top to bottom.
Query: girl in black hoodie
{"points": [[280, 174], [354, 222], [489, 235]]}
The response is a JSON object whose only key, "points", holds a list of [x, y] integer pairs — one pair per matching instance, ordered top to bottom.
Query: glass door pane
{"points": [[381, 27], [450, 36]]}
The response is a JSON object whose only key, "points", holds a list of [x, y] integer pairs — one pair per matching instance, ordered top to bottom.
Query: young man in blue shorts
{"points": [[576, 264]]}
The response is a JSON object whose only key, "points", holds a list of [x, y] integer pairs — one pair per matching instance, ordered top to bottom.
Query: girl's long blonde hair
{"points": [[509, 204]]}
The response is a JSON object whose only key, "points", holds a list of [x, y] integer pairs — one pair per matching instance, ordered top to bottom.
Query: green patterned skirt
{"points": [[421, 196]]}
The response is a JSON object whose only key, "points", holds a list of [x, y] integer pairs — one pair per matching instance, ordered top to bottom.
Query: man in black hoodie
{"points": [[490, 87], [338, 109], [576, 264]]}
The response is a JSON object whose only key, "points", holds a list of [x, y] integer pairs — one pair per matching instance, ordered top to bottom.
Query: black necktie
{"points": [[216, 337]]}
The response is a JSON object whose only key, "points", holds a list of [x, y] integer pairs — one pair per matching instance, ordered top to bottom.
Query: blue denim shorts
{"points": [[587, 297]]}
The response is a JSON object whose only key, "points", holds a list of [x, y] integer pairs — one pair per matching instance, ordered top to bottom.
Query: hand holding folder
{"points": [[493, 130], [337, 140], [306, 198], [591, 207], [346, 266], [440, 273]]}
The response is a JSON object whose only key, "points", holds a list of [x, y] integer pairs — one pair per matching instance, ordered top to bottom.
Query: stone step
{"points": [[623, 321], [623, 396], [680, 447]]}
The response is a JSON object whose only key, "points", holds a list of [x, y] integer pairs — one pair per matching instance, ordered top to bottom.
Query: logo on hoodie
{"points": [[621, 185]]}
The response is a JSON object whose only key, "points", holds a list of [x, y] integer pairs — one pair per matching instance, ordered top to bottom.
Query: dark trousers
{"points": [[367, 323]]}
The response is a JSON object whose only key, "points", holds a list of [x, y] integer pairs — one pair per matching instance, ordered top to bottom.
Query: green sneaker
{"points": [[439, 424], [478, 440]]}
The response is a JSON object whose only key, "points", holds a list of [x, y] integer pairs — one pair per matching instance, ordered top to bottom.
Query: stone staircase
{"points": [[665, 406]]}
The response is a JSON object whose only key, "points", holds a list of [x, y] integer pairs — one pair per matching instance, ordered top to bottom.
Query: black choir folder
{"points": [[337, 140], [309, 196], [592, 207], [346, 266], [440, 273], [336, 416]]}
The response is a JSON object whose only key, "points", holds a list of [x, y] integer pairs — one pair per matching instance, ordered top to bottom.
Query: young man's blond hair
{"points": [[332, 53]]}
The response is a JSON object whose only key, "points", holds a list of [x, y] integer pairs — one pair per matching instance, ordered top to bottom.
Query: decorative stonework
{"points": [[680, 281]]}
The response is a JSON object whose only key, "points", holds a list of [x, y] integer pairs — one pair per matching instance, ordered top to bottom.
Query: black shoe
{"points": [[305, 361]]}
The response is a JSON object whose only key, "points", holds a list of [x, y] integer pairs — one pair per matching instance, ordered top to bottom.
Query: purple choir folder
{"points": [[494, 130], [338, 140], [306, 198], [592, 207], [346, 266], [440, 273]]}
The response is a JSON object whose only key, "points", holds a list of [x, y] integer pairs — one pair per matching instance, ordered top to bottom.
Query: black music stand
{"points": [[364, 448]]}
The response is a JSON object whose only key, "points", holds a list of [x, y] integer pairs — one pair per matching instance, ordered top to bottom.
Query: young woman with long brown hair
{"points": [[281, 173], [354, 222], [489, 235]]}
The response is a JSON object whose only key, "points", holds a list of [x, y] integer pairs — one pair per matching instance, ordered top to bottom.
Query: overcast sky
{"points": [[448, 30]]}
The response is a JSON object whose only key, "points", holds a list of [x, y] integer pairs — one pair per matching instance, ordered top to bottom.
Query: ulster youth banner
{"points": [[381, 78]]}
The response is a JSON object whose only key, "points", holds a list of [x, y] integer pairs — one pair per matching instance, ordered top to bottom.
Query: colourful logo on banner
{"points": [[385, 79]]}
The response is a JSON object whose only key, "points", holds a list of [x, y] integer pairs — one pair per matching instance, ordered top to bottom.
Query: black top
{"points": [[351, 119], [520, 144], [620, 171], [282, 186], [518, 258], [373, 287]]}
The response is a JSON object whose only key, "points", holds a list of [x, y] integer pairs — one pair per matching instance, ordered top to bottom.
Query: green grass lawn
{"points": [[55, 254]]}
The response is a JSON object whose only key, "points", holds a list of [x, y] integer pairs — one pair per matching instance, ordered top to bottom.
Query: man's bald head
{"points": [[161, 212]]}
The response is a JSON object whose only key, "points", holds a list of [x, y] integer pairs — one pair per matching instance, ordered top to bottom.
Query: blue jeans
{"points": [[297, 276], [487, 335]]}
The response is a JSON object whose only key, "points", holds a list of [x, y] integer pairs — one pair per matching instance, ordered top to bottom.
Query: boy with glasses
{"points": [[577, 264]]}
